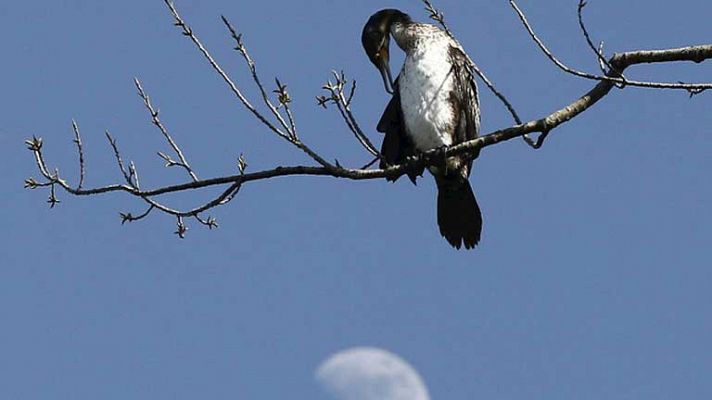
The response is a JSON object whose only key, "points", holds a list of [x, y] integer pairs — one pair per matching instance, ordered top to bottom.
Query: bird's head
{"points": [[375, 39]]}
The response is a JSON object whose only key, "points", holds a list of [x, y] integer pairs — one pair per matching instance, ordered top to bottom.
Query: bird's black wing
{"points": [[465, 97], [397, 146], [459, 215]]}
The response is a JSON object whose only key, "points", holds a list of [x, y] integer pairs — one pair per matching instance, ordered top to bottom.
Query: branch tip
{"points": [[34, 144], [242, 163], [31, 183], [182, 229]]}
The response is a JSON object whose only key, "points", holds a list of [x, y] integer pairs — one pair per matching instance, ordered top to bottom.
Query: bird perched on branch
{"points": [[435, 104]]}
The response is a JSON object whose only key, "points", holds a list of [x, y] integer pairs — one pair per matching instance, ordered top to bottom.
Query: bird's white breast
{"points": [[425, 84]]}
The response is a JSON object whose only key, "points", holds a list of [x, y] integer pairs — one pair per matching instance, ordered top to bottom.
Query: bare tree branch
{"points": [[188, 32], [240, 48], [598, 51], [620, 61], [612, 77], [341, 94], [337, 97], [157, 122], [80, 150], [128, 176], [128, 217]]}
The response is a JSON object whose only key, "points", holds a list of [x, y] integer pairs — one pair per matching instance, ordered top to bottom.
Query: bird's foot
{"points": [[441, 158]]}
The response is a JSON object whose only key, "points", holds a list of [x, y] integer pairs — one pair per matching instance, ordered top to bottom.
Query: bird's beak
{"points": [[385, 69]]}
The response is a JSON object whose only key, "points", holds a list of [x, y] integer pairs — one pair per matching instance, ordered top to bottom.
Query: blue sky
{"points": [[592, 280]]}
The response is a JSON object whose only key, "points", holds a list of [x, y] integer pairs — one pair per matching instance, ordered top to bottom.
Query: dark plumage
{"points": [[397, 146]]}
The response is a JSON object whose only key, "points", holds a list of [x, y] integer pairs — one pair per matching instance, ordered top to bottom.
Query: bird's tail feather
{"points": [[459, 216]]}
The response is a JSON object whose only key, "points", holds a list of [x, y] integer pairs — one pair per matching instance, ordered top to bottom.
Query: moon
{"points": [[368, 373]]}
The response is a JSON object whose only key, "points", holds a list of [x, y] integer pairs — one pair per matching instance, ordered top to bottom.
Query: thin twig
{"points": [[437, 16], [240, 48], [598, 51], [285, 99], [343, 105], [292, 123], [158, 124], [80, 150], [119, 160], [371, 163], [133, 172], [230, 193], [53, 200], [128, 217], [210, 222], [182, 228]]}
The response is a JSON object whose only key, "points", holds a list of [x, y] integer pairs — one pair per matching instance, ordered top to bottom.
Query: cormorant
{"points": [[435, 103]]}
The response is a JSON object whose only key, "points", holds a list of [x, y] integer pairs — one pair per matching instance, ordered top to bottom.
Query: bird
{"points": [[434, 104]]}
